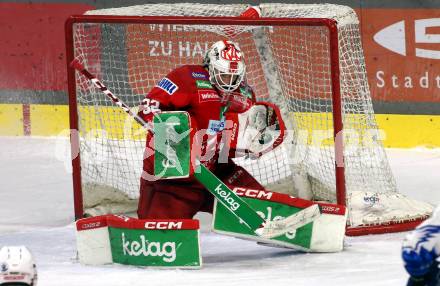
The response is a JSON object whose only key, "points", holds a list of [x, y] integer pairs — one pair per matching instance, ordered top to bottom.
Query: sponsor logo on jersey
{"points": [[198, 75], [203, 84], [167, 85], [208, 95], [215, 126], [146, 247]]}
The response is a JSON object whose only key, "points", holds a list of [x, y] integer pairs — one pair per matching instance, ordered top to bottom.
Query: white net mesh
{"points": [[288, 65]]}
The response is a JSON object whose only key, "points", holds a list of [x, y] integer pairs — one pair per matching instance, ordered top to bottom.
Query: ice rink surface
{"points": [[36, 210]]}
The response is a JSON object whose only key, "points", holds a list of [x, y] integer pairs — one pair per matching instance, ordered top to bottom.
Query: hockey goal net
{"points": [[307, 59]]}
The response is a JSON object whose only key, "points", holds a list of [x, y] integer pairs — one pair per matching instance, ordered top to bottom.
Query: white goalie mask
{"points": [[226, 65], [17, 266]]}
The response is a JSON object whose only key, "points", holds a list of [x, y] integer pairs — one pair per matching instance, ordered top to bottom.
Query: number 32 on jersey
{"points": [[150, 106]]}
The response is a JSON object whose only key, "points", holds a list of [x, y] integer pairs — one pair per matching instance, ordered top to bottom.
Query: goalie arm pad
{"points": [[260, 130]]}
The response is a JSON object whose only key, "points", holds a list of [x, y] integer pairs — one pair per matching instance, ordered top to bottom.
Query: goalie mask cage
{"points": [[307, 59]]}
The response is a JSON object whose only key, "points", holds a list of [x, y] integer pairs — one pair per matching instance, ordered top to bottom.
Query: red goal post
{"points": [[312, 96]]}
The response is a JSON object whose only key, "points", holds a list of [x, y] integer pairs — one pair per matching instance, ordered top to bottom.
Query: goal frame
{"points": [[330, 24]]}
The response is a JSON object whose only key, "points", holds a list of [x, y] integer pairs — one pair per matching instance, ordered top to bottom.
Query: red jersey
{"points": [[188, 88]]}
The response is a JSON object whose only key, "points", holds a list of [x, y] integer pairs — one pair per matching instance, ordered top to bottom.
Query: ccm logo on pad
{"points": [[394, 38], [253, 193], [163, 225]]}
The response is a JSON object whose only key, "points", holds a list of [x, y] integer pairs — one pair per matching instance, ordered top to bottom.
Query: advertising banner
{"points": [[402, 51]]}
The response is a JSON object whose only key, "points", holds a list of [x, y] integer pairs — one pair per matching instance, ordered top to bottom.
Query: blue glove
{"points": [[419, 249], [418, 264], [431, 278]]}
